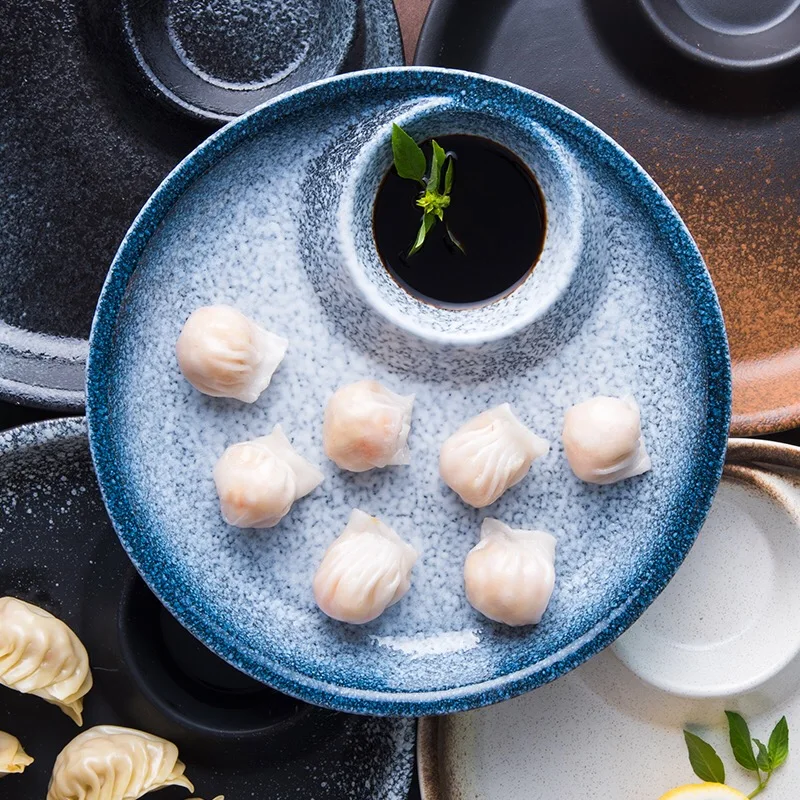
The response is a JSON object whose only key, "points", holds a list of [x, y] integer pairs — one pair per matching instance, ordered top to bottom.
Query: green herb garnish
{"points": [[410, 163], [708, 766]]}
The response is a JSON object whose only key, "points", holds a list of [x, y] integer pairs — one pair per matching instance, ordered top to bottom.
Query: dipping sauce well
{"points": [[496, 213]]}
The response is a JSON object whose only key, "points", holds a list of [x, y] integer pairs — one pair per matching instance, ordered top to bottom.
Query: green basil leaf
{"points": [[409, 160], [437, 162], [448, 177], [427, 223], [741, 741], [779, 743], [763, 759], [705, 762]]}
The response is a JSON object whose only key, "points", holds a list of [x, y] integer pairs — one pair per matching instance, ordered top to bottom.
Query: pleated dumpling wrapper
{"points": [[223, 353], [366, 427], [603, 440], [488, 455], [259, 481], [364, 571], [510, 574], [40, 655], [13, 759], [112, 763]]}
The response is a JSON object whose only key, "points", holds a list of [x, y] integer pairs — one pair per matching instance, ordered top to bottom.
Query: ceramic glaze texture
{"points": [[255, 42], [220, 59], [86, 138], [721, 143], [561, 182], [254, 219], [60, 552], [725, 631], [725, 647]]}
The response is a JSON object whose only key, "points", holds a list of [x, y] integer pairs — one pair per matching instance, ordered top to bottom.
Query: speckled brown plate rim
{"points": [[775, 406], [766, 421], [747, 459]]}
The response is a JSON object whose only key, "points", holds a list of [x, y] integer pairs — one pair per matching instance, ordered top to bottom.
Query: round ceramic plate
{"points": [[88, 132], [722, 144], [272, 215], [607, 731], [237, 737]]}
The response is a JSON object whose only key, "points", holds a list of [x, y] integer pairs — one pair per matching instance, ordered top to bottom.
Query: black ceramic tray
{"points": [[705, 94], [87, 132], [237, 737]]}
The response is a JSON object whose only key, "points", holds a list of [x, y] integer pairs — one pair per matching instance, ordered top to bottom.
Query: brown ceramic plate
{"points": [[722, 143]]}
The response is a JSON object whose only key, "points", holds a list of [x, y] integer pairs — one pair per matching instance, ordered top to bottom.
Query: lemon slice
{"points": [[704, 791]]}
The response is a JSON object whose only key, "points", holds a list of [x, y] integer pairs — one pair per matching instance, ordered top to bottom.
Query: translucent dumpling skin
{"points": [[223, 353], [366, 427], [603, 440], [488, 455], [259, 481], [364, 571], [510, 574], [40, 655], [13, 759], [112, 763]]}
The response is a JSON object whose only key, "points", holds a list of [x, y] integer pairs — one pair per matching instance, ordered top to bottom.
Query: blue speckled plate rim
{"points": [[63, 430], [169, 583]]}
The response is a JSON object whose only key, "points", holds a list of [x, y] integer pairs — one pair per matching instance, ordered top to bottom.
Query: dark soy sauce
{"points": [[496, 212]]}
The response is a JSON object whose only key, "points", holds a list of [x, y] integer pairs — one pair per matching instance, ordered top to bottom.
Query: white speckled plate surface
{"points": [[269, 215], [601, 731]]}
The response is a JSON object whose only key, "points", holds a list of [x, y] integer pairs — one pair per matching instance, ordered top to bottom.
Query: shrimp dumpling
{"points": [[223, 353], [367, 426], [603, 440], [488, 455], [258, 481], [364, 571], [509, 575], [40, 655], [13, 758], [112, 763]]}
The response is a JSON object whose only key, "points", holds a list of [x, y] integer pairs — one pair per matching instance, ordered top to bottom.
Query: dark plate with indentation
{"points": [[100, 100], [721, 139], [238, 737]]}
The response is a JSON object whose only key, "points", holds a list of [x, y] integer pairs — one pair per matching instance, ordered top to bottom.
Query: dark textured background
{"points": [[411, 14]]}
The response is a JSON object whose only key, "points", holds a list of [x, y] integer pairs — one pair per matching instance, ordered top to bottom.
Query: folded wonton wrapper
{"points": [[41, 655], [13, 758], [112, 763]]}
